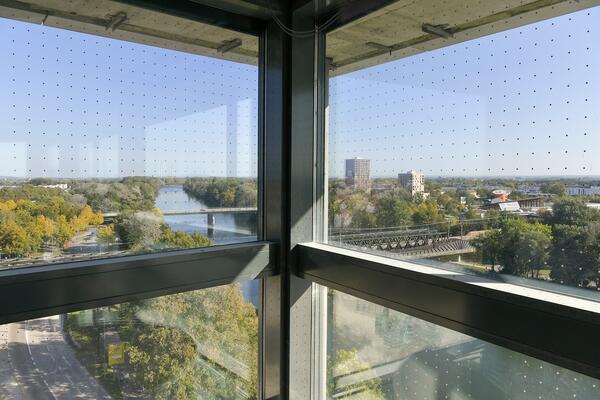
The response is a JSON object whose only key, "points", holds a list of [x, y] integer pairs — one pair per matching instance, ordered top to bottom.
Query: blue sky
{"points": [[521, 102], [77, 105]]}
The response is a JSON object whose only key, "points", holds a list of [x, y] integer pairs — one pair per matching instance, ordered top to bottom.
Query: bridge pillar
{"points": [[210, 225]]}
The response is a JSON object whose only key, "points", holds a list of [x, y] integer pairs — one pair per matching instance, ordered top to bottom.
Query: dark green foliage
{"points": [[556, 188], [222, 192], [130, 193], [572, 211], [146, 230], [520, 247], [575, 255]]}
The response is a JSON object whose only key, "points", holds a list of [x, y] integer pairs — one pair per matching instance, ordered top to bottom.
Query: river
{"points": [[229, 228]]}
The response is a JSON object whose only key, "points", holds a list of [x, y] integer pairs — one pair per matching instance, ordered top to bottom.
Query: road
{"points": [[37, 363]]}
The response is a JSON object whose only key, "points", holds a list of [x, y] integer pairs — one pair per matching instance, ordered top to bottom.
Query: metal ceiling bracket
{"points": [[115, 20], [438, 30], [229, 45]]}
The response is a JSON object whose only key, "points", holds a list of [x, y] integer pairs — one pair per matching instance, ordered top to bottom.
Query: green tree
{"points": [[556, 188], [391, 210], [572, 211], [427, 212], [363, 219], [140, 230], [180, 239], [490, 245], [525, 246], [520, 247], [575, 255], [200, 344]]}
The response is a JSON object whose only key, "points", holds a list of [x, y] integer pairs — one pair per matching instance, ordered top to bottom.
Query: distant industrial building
{"points": [[358, 172], [412, 181], [583, 191]]}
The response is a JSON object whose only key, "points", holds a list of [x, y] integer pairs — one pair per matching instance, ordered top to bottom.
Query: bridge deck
{"points": [[221, 210]]}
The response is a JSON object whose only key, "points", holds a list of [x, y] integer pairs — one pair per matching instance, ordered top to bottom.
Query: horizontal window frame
{"points": [[34, 292], [507, 315]]}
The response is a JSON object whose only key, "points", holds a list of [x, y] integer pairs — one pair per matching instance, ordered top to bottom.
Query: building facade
{"points": [[358, 172], [412, 181]]}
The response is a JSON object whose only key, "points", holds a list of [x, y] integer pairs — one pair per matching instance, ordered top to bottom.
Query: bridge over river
{"points": [[194, 211], [209, 212], [406, 241]]}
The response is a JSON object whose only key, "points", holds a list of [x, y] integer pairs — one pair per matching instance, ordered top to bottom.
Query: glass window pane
{"points": [[112, 147], [473, 152], [195, 345], [378, 353]]}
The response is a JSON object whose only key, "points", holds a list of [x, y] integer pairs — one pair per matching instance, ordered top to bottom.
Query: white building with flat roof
{"points": [[412, 181], [583, 191]]}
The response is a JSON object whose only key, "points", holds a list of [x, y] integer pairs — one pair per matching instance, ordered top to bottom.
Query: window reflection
{"points": [[113, 148], [477, 157], [200, 344], [378, 353]]}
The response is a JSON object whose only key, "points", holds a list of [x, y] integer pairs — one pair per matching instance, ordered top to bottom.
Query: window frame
{"points": [[292, 200], [38, 291], [551, 327]]}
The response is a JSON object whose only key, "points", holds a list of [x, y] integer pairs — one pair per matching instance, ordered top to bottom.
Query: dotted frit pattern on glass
{"points": [[521, 102], [80, 106], [392, 355]]}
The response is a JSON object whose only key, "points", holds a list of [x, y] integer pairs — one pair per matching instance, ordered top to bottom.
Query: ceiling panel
{"points": [[140, 25], [395, 31]]}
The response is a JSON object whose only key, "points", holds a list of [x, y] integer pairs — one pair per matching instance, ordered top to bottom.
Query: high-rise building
{"points": [[358, 172], [412, 181]]}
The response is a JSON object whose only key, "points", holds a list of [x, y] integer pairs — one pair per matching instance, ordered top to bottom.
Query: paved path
{"points": [[37, 363]]}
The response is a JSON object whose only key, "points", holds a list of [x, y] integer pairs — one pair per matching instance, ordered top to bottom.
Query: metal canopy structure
{"points": [[176, 25], [407, 27]]}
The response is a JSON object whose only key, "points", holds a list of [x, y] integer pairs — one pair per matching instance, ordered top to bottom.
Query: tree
{"points": [[555, 188], [223, 192], [391, 210], [572, 211], [427, 212], [363, 219], [141, 229], [64, 231], [106, 234], [180, 239], [14, 240], [490, 246], [525, 246], [520, 247], [532, 252], [575, 255], [200, 344]]}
